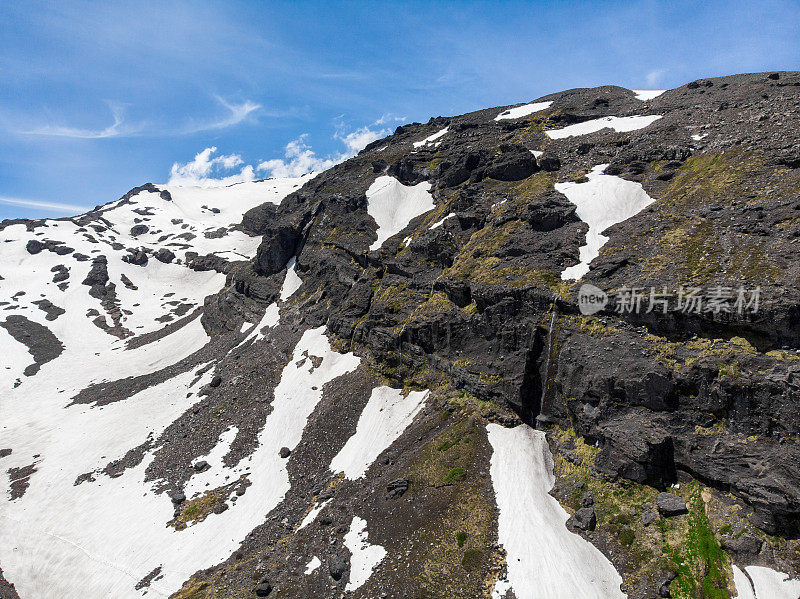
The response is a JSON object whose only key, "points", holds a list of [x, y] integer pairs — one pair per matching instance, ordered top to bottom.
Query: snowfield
{"points": [[647, 94], [521, 111], [617, 123], [431, 139], [603, 201], [393, 205], [387, 414], [100, 537], [363, 556], [543, 558], [758, 582]]}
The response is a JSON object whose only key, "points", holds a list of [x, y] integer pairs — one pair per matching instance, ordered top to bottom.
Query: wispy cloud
{"points": [[237, 113], [390, 118], [117, 129], [201, 171], [46, 206]]}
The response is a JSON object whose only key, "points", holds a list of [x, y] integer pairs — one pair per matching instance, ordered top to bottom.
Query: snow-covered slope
{"points": [[73, 320], [102, 363], [217, 392], [544, 559]]}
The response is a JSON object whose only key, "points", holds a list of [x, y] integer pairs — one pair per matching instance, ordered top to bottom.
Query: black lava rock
{"points": [[164, 255], [396, 488], [670, 504], [583, 519], [337, 566]]}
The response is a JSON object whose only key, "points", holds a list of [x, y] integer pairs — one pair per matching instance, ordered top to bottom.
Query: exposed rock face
{"points": [[481, 288], [583, 519]]}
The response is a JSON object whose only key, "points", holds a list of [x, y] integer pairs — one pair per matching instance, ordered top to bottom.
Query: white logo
{"points": [[591, 299]]}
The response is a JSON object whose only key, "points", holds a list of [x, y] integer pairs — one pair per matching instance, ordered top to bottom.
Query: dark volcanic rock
{"points": [[515, 163], [34, 246], [164, 255], [136, 257], [98, 274], [43, 345], [397, 488], [670, 505], [649, 516], [583, 519], [746, 544], [337, 566], [263, 588]]}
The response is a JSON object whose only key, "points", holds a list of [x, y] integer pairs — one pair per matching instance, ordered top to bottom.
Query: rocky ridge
{"points": [[673, 431]]}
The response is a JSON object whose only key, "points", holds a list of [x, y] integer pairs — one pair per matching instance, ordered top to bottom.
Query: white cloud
{"points": [[237, 114], [116, 129], [359, 139], [298, 159], [200, 171], [46, 206]]}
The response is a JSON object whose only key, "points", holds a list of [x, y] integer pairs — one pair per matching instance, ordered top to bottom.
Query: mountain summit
{"points": [[544, 350]]}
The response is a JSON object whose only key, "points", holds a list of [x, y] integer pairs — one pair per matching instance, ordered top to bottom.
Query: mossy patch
{"points": [[699, 248], [589, 325], [682, 354], [198, 509], [449, 551], [703, 568]]}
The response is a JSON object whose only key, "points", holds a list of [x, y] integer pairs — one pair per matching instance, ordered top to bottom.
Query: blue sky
{"points": [[96, 98]]}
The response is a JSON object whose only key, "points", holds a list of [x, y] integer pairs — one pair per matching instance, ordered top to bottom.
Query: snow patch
{"points": [[647, 94], [521, 111], [617, 123], [431, 139], [603, 201], [393, 205], [439, 223], [292, 281], [270, 319], [385, 417], [217, 474], [312, 515], [364, 557], [543, 558], [313, 565], [766, 584], [501, 587]]}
